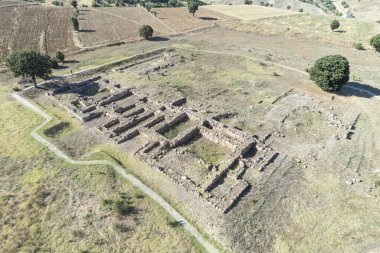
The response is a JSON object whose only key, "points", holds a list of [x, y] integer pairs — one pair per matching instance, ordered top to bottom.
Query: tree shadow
{"points": [[207, 18], [87, 30], [340, 31], [158, 38], [71, 61], [62, 67], [359, 90]]}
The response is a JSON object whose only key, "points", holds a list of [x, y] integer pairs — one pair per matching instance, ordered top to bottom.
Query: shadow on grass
{"points": [[207, 18], [86, 30], [158, 38], [359, 90]]}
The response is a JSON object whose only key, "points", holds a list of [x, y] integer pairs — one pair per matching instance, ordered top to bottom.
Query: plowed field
{"points": [[39, 28]]}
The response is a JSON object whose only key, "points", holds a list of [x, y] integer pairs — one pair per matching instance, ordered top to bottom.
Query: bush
{"points": [[248, 2], [57, 3], [74, 3], [262, 3], [266, 4], [288, 7], [300, 10], [75, 23], [334, 24], [146, 31], [375, 42], [359, 46], [54, 63], [331, 72], [122, 208]]}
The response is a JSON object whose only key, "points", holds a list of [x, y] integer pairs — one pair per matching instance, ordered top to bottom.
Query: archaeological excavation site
{"points": [[223, 135]]}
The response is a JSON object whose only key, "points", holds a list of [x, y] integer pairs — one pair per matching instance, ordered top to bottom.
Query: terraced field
{"points": [[39, 28]]}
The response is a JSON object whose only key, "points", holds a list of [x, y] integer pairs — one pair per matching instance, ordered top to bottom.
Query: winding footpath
{"points": [[119, 169]]}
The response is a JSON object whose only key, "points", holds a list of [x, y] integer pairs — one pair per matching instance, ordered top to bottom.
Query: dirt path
{"points": [[275, 64], [119, 169]]}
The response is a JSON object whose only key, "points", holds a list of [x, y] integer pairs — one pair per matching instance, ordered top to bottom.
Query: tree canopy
{"points": [[192, 6], [75, 23], [334, 24], [146, 31], [375, 42], [59, 56], [29, 64], [331, 72]]}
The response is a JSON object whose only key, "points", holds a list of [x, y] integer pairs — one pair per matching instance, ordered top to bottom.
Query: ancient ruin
{"points": [[172, 139]]}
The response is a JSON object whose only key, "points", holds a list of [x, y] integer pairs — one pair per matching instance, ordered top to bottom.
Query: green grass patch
{"points": [[207, 150]]}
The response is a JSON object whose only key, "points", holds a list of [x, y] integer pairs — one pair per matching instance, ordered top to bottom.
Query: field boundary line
{"points": [[162, 22], [118, 168]]}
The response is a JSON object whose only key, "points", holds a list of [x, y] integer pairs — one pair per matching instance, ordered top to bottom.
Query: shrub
{"points": [[248, 2], [56, 3], [74, 3], [262, 3], [266, 4], [288, 7], [300, 10], [75, 23], [334, 24], [146, 31], [375, 42], [359, 46], [53, 63], [331, 72], [122, 208], [120, 227]]}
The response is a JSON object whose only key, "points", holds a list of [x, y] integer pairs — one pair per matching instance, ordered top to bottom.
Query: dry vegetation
{"points": [[249, 12], [181, 20], [104, 25], [312, 27], [39, 28], [48, 205]]}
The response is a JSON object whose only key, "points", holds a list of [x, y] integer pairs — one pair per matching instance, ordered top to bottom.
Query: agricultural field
{"points": [[249, 12], [181, 20], [104, 25], [44, 29]]}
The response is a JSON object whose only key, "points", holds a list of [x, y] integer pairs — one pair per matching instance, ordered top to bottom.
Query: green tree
{"points": [[74, 3], [192, 6], [75, 23], [334, 24], [146, 31], [375, 42], [59, 56], [29, 64], [331, 72]]}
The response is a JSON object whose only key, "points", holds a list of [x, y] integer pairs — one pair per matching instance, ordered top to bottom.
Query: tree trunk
{"points": [[34, 81]]}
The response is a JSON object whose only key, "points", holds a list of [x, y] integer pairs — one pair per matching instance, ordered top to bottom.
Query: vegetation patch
{"points": [[56, 130], [207, 150]]}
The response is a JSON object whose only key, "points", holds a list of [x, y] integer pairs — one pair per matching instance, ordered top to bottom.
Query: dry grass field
{"points": [[365, 9], [249, 12], [181, 20], [104, 25], [312, 27], [39, 28]]}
